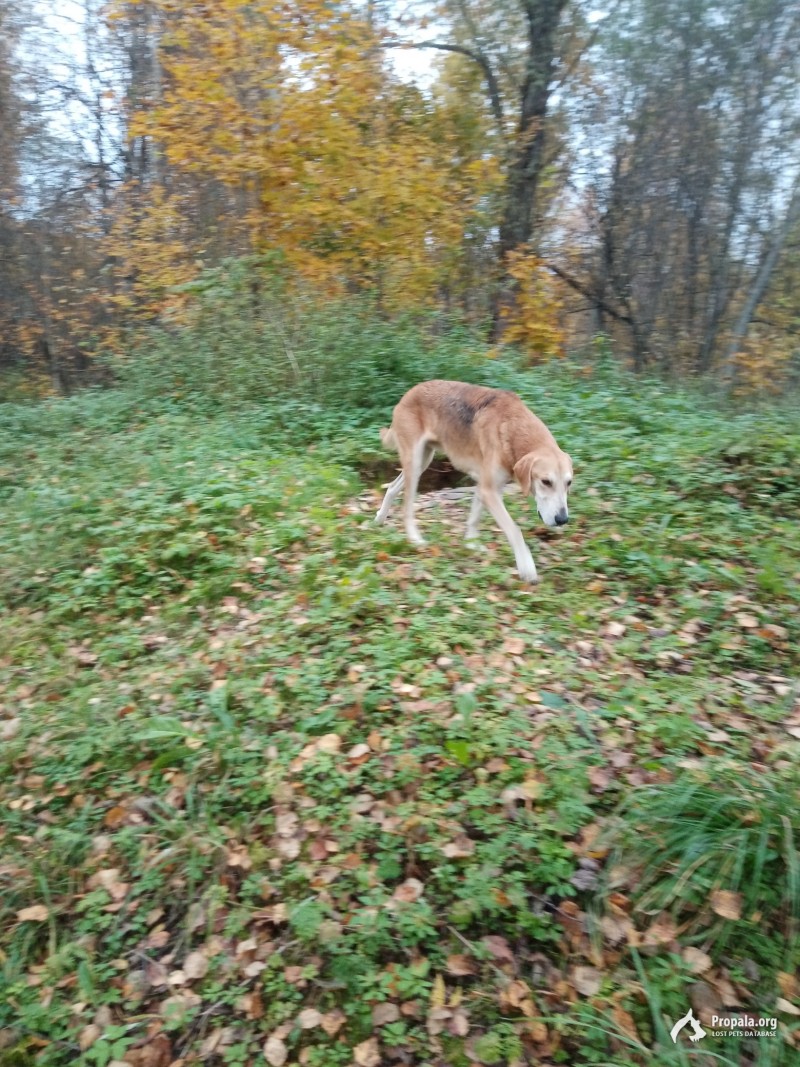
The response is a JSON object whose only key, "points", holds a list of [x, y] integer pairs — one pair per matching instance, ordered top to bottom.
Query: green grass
{"points": [[250, 729]]}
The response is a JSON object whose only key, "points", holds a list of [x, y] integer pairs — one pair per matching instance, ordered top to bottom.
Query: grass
{"points": [[270, 774]]}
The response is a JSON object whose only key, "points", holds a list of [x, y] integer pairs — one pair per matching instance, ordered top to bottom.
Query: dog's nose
{"points": [[562, 518]]}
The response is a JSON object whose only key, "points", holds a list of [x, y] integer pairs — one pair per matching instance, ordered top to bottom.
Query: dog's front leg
{"points": [[494, 503]]}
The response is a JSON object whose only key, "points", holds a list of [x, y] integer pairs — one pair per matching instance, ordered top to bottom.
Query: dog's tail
{"points": [[388, 437]]}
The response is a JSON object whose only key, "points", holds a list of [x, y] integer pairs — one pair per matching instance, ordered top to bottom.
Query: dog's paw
{"points": [[475, 545], [527, 572]]}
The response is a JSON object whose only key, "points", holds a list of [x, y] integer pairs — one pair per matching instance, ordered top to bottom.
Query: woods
{"points": [[553, 172], [276, 784]]}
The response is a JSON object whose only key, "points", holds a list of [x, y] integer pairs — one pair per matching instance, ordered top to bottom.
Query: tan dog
{"points": [[490, 435]]}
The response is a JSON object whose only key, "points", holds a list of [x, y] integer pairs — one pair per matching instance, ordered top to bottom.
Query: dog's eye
{"points": [[547, 482]]}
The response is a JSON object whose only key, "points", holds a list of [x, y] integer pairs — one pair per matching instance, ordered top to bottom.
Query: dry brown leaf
{"points": [[514, 646], [9, 728], [329, 743], [359, 752], [600, 778], [460, 848], [409, 891], [727, 904], [36, 913], [615, 930], [662, 932], [498, 947], [697, 960], [461, 965], [195, 966], [587, 980], [788, 985], [385, 1013], [309, 1018], [333, 1021], [624, 1021], [458, 1025], [538, 1032], [88, 1036], [275, 1051], [156, 1053], [367, 1054]]}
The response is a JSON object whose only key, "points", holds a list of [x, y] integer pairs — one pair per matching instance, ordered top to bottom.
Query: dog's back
{"points": [[472, 424]]}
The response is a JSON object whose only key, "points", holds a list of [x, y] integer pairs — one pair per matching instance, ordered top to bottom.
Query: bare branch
{"points": [[492, 84]]}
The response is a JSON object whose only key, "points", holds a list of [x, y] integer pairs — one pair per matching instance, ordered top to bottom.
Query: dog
{"points": [[490, 435]]}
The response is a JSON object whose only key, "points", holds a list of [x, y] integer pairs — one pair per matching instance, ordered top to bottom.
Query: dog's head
{"points": [[547, 475]]}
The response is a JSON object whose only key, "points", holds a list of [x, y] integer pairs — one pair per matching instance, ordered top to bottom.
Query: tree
{"points": [[699, 131]]}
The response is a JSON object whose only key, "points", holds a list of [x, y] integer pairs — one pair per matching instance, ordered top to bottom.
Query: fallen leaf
{"points": [[514, 646], [9, 728], [328, 743], [359, 752], [460, 848], [409, 891], [727, 904], [36, 913], [662, 931], [498, 947], [697, 960], [460, 965], [195, 966], [587, 980], [786, 1007], [385, 1013], [309, 1018], [333, 1021], [624, 1021], [88, 1036], [275, 1052], [156, 1053], [367, 1054]]}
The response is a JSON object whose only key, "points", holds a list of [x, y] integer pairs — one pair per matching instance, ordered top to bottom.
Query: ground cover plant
{"points": [[277, 787]]}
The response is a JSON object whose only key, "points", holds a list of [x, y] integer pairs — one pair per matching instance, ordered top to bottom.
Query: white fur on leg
{"points": [[420, 459], [392, 493], [475, 512], [522, 554]]}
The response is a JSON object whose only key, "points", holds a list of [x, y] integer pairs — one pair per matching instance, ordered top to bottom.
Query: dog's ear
{"points": [[523, 471]]}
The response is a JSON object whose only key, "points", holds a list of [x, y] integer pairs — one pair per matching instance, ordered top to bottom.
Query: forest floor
{"points": [[276, 786]]}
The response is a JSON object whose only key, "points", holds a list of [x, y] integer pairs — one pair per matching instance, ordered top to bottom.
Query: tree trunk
{"points": [[528, 153], [759, 286]]}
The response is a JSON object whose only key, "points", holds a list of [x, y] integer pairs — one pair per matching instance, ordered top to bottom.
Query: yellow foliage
{"points": [[359, 180], [534, 320]]}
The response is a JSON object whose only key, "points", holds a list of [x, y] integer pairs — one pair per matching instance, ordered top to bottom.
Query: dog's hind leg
{"points": [[418, 461], [391, 495], [475, 512], [522, 554]]}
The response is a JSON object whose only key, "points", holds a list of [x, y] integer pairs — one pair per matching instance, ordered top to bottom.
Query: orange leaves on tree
{"points": [[292, 113], [533, 322]]}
